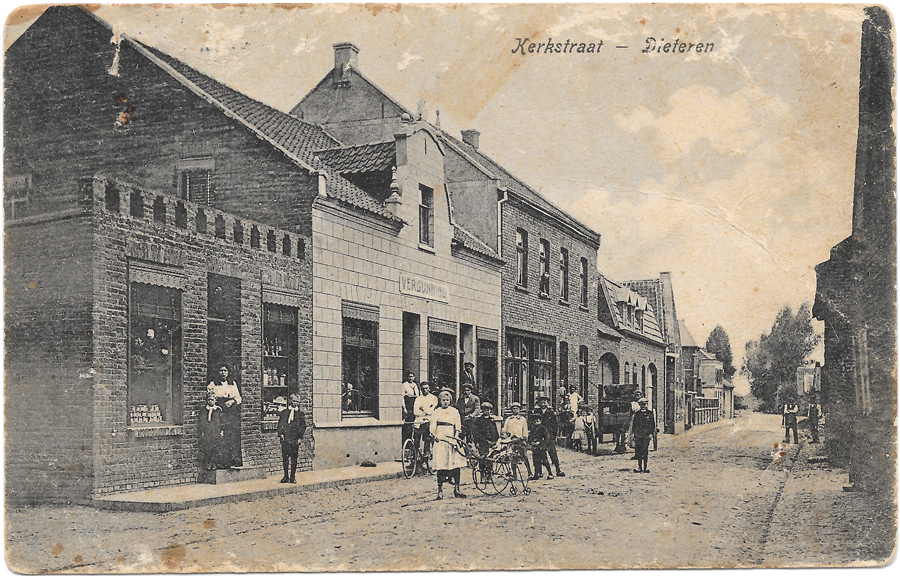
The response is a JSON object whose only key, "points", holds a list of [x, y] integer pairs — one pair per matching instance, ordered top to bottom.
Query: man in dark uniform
{"points": [[468, 407], [789, 420], [551, 425], [643, 426], [291, 427]]}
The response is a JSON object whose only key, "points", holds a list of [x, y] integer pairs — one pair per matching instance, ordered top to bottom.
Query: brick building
{"points": [[856, 293], [661, 295], [548, 317], [641, 350]]}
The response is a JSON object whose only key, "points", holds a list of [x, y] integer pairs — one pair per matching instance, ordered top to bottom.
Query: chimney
{"points": [[345, 57], [470, 137]]}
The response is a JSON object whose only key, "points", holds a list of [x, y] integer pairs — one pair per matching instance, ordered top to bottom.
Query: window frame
{"points": [[426, 216], [521, 257], [563, 274], [584, 282], [544, 283], [355, 357], [583, 371], [173, 396]]}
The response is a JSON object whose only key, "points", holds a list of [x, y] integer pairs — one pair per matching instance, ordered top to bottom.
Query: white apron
{"points": [[445, 423]]}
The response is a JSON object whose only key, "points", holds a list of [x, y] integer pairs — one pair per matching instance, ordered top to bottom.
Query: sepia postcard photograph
{"points": [[448, 287]]}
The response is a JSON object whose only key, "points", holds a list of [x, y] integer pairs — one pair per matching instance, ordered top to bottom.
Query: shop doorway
{"points": [[412, 354]]}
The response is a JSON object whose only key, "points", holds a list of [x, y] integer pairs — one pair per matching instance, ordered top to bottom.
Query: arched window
{"points": [[644, 380]]}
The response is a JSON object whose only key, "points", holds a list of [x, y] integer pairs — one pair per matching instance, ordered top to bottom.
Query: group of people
{"points": [[789, 415], [219, 428]]}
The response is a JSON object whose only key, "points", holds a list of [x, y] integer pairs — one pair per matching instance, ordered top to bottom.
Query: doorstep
{"points": [[186, 496]]}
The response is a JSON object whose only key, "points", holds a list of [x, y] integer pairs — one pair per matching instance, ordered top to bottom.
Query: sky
{"points": [[733, 169]]}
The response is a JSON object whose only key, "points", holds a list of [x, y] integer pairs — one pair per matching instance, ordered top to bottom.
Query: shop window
{"points": [[16, 191], [426, 216], [522, 258], [563, 274], [584, 282], [544, 287], [223, 342], [441, 353], [154, 355], [544, 364], [564, 364], [280, 365], [517, 370], [583, 371], [359, 394]]}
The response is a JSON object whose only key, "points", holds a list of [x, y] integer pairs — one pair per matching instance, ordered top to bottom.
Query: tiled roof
{"points": [[300, 139], [373, 157], [518, 186], [466, 239], [652, 291], [616, 293], [608, 331], [686, 338]]}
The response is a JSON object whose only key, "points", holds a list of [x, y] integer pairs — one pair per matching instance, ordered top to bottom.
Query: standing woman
{"points": [[228, 397], [445, 427]]}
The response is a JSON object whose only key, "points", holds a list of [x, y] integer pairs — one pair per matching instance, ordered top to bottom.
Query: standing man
{"points": [[410, 393], [575, 400], [469, 409], [422, 410], [815, 412], [789, 420], [551, 425], [643, 426], [291, 427]]}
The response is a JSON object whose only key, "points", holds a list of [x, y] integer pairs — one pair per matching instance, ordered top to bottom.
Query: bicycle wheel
{"points": [[408, 458], [500, 476], [481, 481], [518, 484]]}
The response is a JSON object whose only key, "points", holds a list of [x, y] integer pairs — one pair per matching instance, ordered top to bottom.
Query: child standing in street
{"points": [[540, 438], [579, 438]]}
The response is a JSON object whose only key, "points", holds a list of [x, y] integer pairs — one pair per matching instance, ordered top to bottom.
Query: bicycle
{"points": [[412, 458], [501, 469]]}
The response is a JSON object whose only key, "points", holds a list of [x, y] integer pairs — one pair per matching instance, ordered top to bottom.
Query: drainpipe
{"points": [[503, 198]]}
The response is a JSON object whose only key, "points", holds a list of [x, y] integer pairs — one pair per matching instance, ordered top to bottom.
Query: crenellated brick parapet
{"points": [[102, 194]]}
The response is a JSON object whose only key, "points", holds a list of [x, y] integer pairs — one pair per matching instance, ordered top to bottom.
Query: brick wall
{"points": [[59, 123], [525, 309], [48, 384], [130, 459]]}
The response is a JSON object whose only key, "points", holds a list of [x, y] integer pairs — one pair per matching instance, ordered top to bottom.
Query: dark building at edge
{"points": [[856, 290]]}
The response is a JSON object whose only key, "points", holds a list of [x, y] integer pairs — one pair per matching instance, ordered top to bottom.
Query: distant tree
{"points": [[719, 344], [771, 362]]}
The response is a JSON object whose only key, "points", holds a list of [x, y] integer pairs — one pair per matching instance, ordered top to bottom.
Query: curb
{"points": [[119, 504]]}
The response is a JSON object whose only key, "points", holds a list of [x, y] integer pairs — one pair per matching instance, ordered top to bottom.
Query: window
{"points": [[196, 186], [15, 195], [426, 216], [521, 258], [563, 274], [584, 282], [544, 287], [629, 319], [639, 320], [154, 355], [441, 360], [544, 361], [564, 364], [280, 366], [517, 370], [583, 371], [626, 374], [634, 380], [644, 380], [359, 394]]}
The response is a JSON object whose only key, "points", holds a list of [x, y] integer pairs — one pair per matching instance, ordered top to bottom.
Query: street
{"points": [[715, 497]]}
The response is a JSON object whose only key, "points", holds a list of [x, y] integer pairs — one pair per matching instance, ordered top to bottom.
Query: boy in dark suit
{"points": [[209, 426], [291, 427]]}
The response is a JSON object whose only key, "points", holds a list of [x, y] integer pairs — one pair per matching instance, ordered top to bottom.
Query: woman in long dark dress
{"points": [[228, 397]]}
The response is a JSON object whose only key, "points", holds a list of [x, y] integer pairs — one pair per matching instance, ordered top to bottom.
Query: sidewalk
{"points": [[186, 496], [816, 523]]}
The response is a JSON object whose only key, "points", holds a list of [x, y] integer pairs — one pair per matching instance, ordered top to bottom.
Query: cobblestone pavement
{"points": [[716, 497]]}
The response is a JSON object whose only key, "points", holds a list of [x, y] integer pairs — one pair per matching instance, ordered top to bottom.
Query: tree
{"points": [[719, 344], [771, 362]]}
